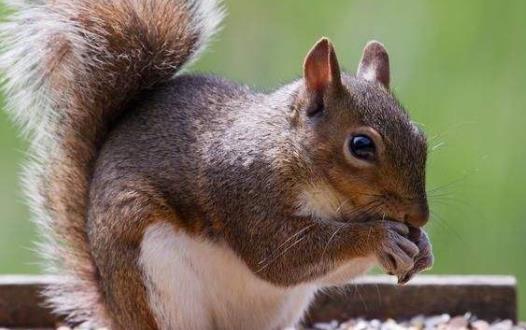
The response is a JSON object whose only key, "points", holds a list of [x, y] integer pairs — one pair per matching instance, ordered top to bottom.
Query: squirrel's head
{"points": [[366, 158]]}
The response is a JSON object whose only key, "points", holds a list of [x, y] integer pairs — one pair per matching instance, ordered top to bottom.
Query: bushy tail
{"points": [[70, 67]]}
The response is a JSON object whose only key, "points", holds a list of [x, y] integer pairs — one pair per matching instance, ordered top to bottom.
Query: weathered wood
{"points": [[489, 297], [21, 304]]}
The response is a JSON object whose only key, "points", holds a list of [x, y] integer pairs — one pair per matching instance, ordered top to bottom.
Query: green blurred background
{"points": [[458, 66]]}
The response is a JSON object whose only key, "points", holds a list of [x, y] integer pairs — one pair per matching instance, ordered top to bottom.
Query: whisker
{"points": [[449, 184], [342, 205], [439, 220], [299, 232], [299, 236], [330, 240], [281, 254]]}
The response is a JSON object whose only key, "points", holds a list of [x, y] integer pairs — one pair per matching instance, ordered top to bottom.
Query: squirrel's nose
{"points": [[417, 214]]}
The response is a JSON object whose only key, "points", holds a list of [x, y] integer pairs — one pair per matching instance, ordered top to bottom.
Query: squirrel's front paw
{"points": [[396, 253], [424, 258]]}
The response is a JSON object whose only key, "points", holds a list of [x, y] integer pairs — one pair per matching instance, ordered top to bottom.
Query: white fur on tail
{"points": [[60, 69]]}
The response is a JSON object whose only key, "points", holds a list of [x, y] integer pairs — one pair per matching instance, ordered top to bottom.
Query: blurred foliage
{"points": [[458, 66]]}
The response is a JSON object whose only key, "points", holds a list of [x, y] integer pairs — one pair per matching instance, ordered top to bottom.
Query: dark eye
{"points": [[362, 147]]}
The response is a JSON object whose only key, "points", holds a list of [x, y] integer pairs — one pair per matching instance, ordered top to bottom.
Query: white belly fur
{"points": [[196, 284]]}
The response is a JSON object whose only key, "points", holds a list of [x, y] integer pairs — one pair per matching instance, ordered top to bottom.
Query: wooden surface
{"points": [[488, 297], [20, 302]]}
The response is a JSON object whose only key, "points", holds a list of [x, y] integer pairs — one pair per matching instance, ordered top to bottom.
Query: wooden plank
{"points": [[488, 297], [21, 304]]}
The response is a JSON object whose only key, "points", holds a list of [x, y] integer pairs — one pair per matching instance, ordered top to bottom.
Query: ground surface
{"points": [[420, 322], [440, 322]]}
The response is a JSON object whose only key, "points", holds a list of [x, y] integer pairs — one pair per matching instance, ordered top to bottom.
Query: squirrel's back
{"points": [[182, 123], [197, 135]]}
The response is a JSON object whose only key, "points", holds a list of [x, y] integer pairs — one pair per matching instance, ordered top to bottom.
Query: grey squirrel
{"points": [[177, 201]]}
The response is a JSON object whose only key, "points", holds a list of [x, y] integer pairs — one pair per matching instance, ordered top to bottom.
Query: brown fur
{"points": [[91, 58], [96, 95], [132, 147]]}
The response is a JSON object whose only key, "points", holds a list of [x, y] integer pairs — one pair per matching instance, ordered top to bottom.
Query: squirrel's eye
{"points": [[362, 147]]}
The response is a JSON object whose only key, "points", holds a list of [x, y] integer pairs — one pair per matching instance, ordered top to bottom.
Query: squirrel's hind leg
{"points": [[118, 217]]}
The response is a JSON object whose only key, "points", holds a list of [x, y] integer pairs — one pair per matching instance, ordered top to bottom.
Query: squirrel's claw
{"points": [[396, 252], [424, 258]]}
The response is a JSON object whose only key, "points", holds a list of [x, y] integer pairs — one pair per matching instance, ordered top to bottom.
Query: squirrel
{"points": [[182, 201]]}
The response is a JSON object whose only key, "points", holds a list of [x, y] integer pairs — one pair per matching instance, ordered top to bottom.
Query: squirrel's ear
{"points": [[374, 65], [321, 69]]}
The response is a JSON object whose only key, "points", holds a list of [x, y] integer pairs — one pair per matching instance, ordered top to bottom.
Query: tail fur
{"points": [[70, 67]]}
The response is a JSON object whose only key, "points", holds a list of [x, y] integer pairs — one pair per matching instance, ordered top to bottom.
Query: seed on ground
{"points": [[419, 322]]}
